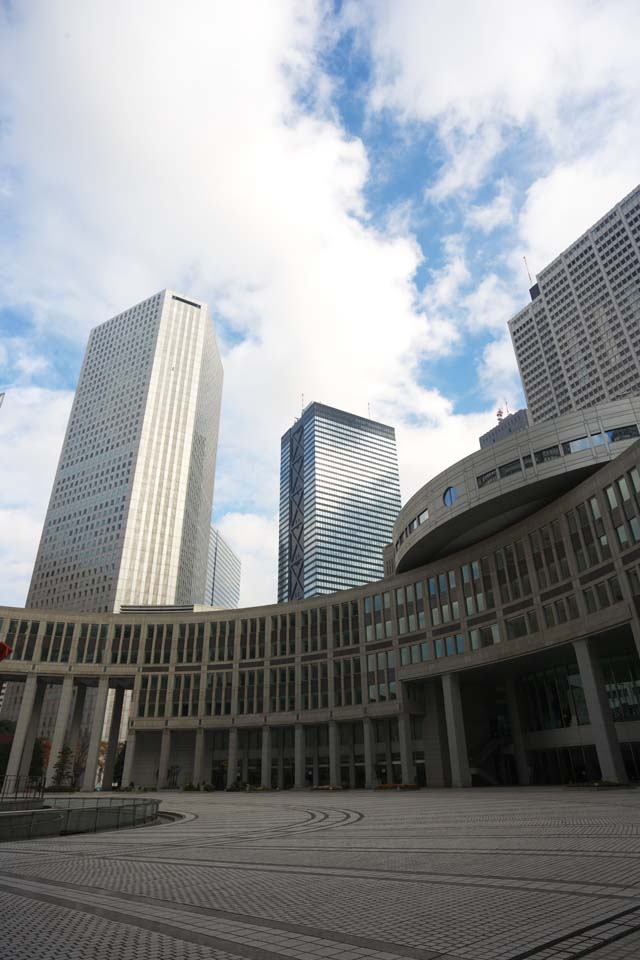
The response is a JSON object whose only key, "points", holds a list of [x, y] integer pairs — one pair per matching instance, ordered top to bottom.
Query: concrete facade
{"points": [[495, 487], [514, 660]]}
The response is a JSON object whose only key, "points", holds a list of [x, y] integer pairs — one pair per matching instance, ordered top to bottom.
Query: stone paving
{"points": [[546, 874]]}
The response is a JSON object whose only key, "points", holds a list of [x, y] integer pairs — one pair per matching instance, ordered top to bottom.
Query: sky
{"points": [[351, 186]]}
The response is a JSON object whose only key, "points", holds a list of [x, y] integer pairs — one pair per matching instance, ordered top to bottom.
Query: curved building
{"points": [[502, 646]]}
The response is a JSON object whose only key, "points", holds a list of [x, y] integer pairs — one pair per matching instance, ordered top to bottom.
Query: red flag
{"points": [[5, 650]]}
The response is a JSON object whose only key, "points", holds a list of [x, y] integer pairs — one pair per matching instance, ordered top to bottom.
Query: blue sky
{"points": [[351, 186]]}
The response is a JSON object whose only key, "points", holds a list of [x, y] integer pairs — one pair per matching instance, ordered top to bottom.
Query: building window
{"points": [[622, 433], [575, 446], [546, 454], [486, 478], [449, 496]]}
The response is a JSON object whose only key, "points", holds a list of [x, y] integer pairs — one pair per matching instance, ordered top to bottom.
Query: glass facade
{"points": [[339, 498], [223, 573]]}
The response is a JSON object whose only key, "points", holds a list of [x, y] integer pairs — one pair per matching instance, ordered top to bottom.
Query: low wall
{"points": [[7, 805], [62, 817]]}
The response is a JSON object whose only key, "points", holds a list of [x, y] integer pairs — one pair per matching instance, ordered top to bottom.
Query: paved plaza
{"points": [[510, 873]]}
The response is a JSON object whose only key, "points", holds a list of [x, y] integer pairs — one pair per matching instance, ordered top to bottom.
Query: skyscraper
{"points": [[578, 342], [506, 426], [339, 498], [129, 515], [223, 573]]}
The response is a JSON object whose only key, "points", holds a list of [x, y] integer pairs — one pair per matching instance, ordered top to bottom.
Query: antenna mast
{"points": [[528, 272]]}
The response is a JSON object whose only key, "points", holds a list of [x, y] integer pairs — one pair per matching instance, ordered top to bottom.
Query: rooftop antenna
{"points": [[528, 271], [506, 406], [302, 408], [369, 410]]}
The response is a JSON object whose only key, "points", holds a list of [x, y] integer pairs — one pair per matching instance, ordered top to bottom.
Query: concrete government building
{"points": [[501, 646]]}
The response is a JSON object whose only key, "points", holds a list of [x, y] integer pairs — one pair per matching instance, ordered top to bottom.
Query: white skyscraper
{"points": [[129, 515]]}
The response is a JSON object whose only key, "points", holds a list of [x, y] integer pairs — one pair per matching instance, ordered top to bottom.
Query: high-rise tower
{"points": [[578, 342], [339, 498], [129, 515], [223, 573]]}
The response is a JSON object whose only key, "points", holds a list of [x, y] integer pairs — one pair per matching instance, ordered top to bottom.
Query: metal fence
{"points": [[21, 788], [77, 815]]}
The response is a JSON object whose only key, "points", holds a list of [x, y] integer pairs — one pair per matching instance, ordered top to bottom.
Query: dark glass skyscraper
{"points": [[339, 498]]}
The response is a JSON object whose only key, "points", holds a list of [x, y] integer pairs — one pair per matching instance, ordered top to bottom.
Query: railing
{"points": [[21, 788], [77, 815]]}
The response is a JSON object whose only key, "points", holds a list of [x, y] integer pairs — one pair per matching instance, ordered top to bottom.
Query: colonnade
{"points": [[67, 726], [450, 746]]}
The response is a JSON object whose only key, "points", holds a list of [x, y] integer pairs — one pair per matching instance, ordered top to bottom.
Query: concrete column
{"points": [[635, 626], [31, 691], [76, 717], [602, 726], [32, 729], [60, 729], [517, 734], [113, 738], [406, 750], [387, 751], [165, 753], [315, 753], [334, 754], [369, 754], [299, 756], [352, 756], [129, 757], [198, 757], [436, 758], [232, 759], [265, 759], [244, 760], [281, 762], [460, 772], [89, 779]]}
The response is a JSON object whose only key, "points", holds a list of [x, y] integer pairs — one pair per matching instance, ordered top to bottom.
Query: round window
{"points": [[449, 497]]}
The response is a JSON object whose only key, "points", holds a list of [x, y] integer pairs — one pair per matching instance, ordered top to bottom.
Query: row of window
{"points": [[555, 451]]}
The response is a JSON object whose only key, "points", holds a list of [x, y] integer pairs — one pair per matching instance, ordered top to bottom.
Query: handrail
{"points": [[21, 788]]}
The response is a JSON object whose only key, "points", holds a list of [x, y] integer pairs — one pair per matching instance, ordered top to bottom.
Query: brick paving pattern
{"points": [[546, 874]]}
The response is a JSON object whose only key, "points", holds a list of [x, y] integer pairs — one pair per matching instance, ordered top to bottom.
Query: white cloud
{"points": [[483, 71], [148, 146], [174, 152], [472, 155], [565, 203], [496, 213], [490, 305], [499, 375], [32, 425], [255, 540]]}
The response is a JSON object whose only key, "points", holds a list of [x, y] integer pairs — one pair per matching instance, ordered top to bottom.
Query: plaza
{"points": [[495, 873]]}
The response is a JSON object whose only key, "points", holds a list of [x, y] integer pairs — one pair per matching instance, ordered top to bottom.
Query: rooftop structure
{"points": [[512, 423]]}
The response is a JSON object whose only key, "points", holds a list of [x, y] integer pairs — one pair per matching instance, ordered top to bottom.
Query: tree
{"points": [[80, 758], [61, 771]]}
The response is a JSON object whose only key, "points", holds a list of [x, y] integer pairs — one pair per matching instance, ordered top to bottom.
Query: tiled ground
{"points": [[480, 874]]}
